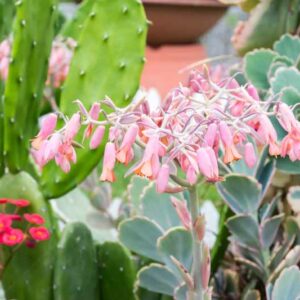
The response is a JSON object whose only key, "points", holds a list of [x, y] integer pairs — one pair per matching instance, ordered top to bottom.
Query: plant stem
{"points": [[197, 294]]}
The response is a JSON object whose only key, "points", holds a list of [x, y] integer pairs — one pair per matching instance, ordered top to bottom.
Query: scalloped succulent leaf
{"points": [[288, 46], [279, 62], [256, 65], [285, 77], [265, 175], [242, 193], [293, 198], [159, 208], [245, 229], [269, 229], [140, 235], [176, 242], [253, 266], [157, 278], [287, 285]]}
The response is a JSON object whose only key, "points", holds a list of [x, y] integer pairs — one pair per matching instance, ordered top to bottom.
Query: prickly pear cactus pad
{"points": [[32, 33], [108, 61], [29, 274], [76, 274]]}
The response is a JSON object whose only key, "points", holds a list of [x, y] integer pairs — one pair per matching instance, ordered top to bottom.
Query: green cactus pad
{"points": [[7, 10], [74, 27], [33, 33], [107, 62], [2, 162], [116, 272], [29, 274], [76, 274]]}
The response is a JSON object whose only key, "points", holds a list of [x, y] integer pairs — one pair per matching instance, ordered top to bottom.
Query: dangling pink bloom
{"points": [[252, 91], [94, 115], [286, 117], [47, 127], [72, 127], [211, 134], [268, 135], [97, 137], [291, 144], [52, 146], [125, 153], [231, 153], [39, 155], [65, 155], [250, 156], [109, 163], [208, 164], [149, 166], [191, 174], [162, 178], [182, 212]]}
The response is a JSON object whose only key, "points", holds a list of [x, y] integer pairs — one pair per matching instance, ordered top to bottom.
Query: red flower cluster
{"points": [[11, 236]]}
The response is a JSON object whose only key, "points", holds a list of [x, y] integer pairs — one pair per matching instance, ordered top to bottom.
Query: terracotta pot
{"points": [[180, 21]]}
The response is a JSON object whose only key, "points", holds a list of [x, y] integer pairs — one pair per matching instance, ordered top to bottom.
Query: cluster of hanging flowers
{"points": [[60, 59], [199, 127], [12, 236]]}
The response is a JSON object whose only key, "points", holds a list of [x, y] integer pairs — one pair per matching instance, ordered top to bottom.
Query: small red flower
{"points": [[3, 200], [19, 202], [14, 217], [34, 219], [5, 222], [39, 233], [12, 237], [30, 243]]}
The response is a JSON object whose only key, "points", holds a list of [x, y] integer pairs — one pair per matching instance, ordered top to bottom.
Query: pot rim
{"points": [[213, 3]]}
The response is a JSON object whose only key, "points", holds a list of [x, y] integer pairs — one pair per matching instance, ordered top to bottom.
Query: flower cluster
{"points": [[60, 58], [200, 126], [11, 236]]}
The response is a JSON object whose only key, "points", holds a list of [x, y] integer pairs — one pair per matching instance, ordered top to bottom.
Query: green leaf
{"points": [[288, 46], [257, 64], [285, 77], [287, 166], [241, 193], [293, 198], [76, 207], [159, 208], [245, 229], [269, 229], [140, 235], [176, 242], [157, 278], [287, 286], [180, 292]]}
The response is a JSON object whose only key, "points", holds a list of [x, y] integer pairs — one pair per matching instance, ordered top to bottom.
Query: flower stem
{"points": [[197, 293]]}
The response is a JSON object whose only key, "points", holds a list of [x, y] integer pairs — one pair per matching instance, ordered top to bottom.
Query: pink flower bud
{"points": [[252, 91], [94, 111], [286, 117], [72, 127], [210, 135], [226, 135], [97, 137], [52, 146], [125, 153], [250, 156], [109, 163], [208, 164], [191, 175], [162, 178], [182, 212], [199, 226], [205, 267]]}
